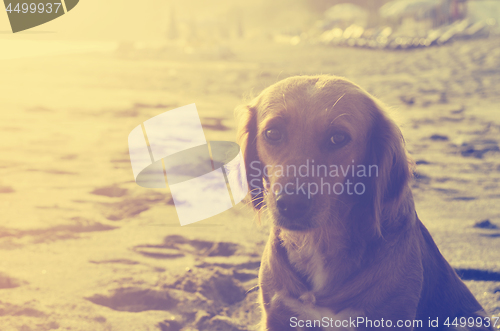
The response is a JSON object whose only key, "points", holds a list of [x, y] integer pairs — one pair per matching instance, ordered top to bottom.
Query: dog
{"points": [[346, 249]]}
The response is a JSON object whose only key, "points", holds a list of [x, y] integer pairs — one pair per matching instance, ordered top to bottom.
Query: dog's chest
{"points": [[311, 264]]}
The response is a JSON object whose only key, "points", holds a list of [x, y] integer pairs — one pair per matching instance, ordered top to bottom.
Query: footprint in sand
{"points": [[6, 189], [110, 191], [127, 206], [177, 246], [210, 254], [9, 282], [210, 296], [199, 299], [135, 300], [7, 309]]}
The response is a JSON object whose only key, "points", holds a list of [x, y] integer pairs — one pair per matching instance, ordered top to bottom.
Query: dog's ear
{"points": [[247, 138], [387, 154]]}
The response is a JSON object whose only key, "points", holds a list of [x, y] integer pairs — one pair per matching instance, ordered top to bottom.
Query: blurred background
{"points": [[193, 24], [83, 247]]}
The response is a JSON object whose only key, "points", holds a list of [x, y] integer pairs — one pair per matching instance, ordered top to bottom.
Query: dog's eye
{"points": [[273, 135], [338, 139]]}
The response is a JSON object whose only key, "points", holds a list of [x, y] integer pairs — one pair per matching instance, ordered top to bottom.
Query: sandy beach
{"points": [[83, 247]]}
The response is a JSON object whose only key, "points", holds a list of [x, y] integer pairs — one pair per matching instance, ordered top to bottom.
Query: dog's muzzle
{"points": [[293, 209]]}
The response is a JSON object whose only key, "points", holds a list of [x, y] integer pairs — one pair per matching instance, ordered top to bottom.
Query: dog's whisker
{"points": [[278, 77], [336, 102], [343, 114], [255, 189], [248, 203], [260, 205], [252, 289]]}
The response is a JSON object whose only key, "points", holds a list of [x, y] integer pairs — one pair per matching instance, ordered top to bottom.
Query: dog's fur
{"points": [[350, 255]]}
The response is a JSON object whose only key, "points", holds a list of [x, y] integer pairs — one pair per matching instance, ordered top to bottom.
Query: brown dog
{"points": [[346, 249]]}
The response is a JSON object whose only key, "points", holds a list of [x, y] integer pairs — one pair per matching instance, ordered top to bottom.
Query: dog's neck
{"points": [[305, 257], [321, 257]]}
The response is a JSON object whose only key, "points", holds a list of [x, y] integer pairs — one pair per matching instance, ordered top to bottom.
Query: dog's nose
{"points": [[293, 206]]}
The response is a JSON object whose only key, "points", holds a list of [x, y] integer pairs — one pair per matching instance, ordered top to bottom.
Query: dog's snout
{"points": [[293, 206]]}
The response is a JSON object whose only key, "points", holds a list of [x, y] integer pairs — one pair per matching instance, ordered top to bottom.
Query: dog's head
{"points": [[319, 151]]}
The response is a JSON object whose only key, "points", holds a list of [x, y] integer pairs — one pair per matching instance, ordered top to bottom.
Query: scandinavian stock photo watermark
{"points": [[24, 15], [205, 178], [311, 179], [367, 323]]}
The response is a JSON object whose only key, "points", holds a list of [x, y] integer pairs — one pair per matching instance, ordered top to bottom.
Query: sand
{"points": [[85, 248]]}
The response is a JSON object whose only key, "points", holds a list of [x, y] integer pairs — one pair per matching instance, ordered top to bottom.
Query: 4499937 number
{"points": [[33, 7], [472, 322]]}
